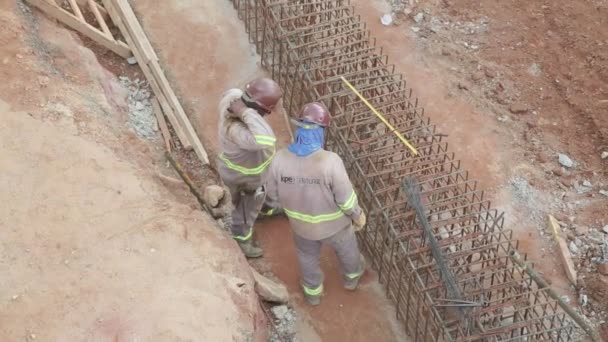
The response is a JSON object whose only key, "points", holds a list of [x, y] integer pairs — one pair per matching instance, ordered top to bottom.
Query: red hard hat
{"points": [[265, 92], [315, 112]]}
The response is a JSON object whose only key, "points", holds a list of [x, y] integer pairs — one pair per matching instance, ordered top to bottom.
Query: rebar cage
{"points": [[307, 45]]}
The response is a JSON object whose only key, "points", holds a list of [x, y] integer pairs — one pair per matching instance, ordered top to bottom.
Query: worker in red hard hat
{"points": [[248, 146], [316, 194]]}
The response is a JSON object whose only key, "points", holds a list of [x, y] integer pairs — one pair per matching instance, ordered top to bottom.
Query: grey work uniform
{"points": [[247, 146], [318, 198]]}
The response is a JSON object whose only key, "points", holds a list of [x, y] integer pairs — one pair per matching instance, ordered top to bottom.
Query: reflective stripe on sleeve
{"points": [[265, 140], [350, 202]]}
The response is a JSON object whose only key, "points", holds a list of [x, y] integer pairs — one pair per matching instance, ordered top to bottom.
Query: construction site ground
{"points": [[101, 241]]}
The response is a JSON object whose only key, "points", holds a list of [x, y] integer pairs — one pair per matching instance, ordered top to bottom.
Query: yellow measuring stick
{"points": [[407, 143]]}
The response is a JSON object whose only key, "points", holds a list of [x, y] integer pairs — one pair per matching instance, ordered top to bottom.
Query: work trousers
{"points": [[246, 205], [346, 248]]}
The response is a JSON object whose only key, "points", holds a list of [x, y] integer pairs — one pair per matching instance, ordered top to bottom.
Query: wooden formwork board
{"points": [[123, 16], [77, 21], [137, 45]]}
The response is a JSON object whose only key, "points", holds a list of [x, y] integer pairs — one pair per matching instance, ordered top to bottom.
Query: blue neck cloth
{"points": [[307, 141]]}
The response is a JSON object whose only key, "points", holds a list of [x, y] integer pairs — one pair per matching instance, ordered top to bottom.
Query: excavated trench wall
{"points": [[307, 45]]}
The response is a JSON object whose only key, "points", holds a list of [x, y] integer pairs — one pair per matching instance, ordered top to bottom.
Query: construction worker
{"points": [[248, 145], [313, 189]]}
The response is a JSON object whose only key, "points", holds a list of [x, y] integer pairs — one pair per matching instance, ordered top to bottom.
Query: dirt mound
{"points": [[93, 246], [93, 249], [597, 286]]}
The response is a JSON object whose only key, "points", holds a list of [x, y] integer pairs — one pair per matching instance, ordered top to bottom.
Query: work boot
{"points": [[250, 250], [351, 281], [313, 300]]}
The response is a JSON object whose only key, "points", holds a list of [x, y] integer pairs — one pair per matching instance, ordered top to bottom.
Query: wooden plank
{"points": [[100, 8], [76, 10], [103, 12], [102, 23], [133, 26], [88, 30], [142, 44], [142, 60], [166, 108], [179, 111], [162, 124], [563, 250]]}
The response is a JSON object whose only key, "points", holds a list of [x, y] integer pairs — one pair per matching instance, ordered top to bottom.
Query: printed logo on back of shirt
{"points": [[287, 180], [300, 180], [309, 181]]}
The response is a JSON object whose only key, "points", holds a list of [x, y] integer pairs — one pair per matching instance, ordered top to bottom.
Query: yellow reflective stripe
{"points": [[266, 137], [265, 140], [261, 142], [244, 170], [350, 202], [269, 212], [314, 218], [244, 238], [355, 275], [313, 292]]}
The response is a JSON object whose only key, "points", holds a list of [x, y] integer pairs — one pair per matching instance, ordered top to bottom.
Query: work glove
{"points": [[237, 108], [268, 211], [360, 222]]}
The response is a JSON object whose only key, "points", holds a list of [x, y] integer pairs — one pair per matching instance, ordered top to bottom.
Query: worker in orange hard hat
{"points": [[248, 146], [316, 194]]}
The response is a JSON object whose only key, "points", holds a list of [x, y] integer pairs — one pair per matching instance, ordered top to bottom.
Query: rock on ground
{"points": [[386, 19], [518, 108], [141, 112], [565, 160], [583, 187], [213, 195], [573, 248], [269, 290], [280, 311], [285, 323]]}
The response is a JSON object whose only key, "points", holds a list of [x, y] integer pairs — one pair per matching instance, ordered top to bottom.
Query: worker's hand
{"points": [[237, 108], [268, 210], [360, 222]]}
